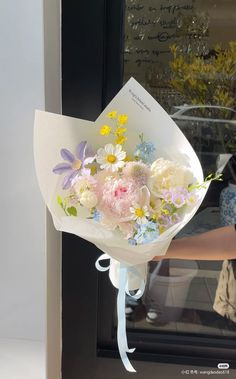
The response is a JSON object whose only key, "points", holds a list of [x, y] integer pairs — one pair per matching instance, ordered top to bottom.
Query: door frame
{"points": [[92, 68], [52, 85]]}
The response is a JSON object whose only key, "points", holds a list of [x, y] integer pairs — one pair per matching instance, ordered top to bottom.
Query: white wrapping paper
{"points": [[52, 132], [128, 264]]}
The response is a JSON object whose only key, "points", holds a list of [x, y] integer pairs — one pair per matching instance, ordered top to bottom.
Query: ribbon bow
{"points": [[122, 290]]}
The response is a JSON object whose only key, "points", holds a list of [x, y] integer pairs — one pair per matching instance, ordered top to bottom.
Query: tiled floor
{"points": [[197, 315]]}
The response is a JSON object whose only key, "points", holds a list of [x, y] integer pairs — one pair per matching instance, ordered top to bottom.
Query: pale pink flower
{"points": [[138, 171], [103, 177], [84, 182], [117, 196]]}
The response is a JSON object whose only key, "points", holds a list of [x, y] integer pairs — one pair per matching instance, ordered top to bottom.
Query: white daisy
{"points": [[111, 157], [139, 213]]}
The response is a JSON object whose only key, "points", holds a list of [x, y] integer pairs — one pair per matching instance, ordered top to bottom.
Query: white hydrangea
{"points": [[166, 174], [83, 183], [88, 199]]}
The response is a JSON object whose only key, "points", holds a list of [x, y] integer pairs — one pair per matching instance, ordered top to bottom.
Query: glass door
{"points": [[183, 52]]}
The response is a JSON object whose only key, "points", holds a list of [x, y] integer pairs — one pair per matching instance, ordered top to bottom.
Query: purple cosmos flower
{"points": [[76, 164], [167, 195], [176, 196], [178, 199], [166, 221]]}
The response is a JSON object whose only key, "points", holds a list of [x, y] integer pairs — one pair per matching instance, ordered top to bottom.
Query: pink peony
{"points": [[103, 177], [116, 198], [116, 201]]}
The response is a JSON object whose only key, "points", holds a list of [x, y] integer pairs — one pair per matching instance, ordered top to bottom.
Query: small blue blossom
{"points": [[145, 151], [96, 215], [146, 233], [132, 241]]}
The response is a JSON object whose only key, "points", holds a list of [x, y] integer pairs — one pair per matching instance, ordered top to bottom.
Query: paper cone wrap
{"points": [[52, 132], [128, 263]]}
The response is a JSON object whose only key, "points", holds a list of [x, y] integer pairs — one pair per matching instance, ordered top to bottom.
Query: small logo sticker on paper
{"points": [[223, 365]]}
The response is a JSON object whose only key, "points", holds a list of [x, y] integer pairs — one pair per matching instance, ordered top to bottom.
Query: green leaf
{"points": [[60, 201], [72, 211]]}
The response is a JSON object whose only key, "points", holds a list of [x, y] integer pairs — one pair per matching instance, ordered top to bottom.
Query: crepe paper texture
{"points": [[128, 182]]}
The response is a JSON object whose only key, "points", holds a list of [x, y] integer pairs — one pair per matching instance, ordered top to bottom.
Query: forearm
{"points": [[217, 244]]}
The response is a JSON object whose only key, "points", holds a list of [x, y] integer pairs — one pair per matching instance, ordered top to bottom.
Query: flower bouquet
{"points": [[128, 183]]}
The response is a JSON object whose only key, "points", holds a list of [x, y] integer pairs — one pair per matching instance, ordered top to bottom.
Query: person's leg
{"points": [[225, 298]]}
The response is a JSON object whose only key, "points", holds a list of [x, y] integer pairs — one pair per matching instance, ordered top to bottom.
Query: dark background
{"points": [[92, 73]]}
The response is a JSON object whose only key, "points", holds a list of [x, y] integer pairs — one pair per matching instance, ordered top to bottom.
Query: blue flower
{"points": [[145, 151], [96, 215], [146, 233], [132, 241]]}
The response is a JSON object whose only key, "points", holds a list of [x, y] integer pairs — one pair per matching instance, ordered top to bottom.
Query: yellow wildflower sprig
{"points": [[112, 114], [122, 119], [105, 130], [118, 130], [170, 210]]}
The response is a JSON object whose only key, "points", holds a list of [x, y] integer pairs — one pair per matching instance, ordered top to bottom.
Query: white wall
{"points": [[22, 219]]}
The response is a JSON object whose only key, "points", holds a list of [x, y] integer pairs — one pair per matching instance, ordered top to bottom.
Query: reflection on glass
{"points": [[184, 52], [181, 295]]}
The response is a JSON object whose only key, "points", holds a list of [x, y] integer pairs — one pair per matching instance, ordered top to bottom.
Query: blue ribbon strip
{"points": [[123, 289]]}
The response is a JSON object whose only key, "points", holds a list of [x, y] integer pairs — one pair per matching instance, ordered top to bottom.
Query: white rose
{"points": [[167, 174], [88, 199]]}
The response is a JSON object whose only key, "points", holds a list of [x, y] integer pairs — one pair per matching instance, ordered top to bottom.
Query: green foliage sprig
{"points": [[69, 211]]}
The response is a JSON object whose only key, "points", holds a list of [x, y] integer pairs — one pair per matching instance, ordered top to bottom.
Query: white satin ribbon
{"points": [[121, 317]]}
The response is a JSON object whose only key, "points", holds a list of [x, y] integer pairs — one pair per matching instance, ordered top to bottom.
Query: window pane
{"points": [[184, 53], [185, 295]]}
